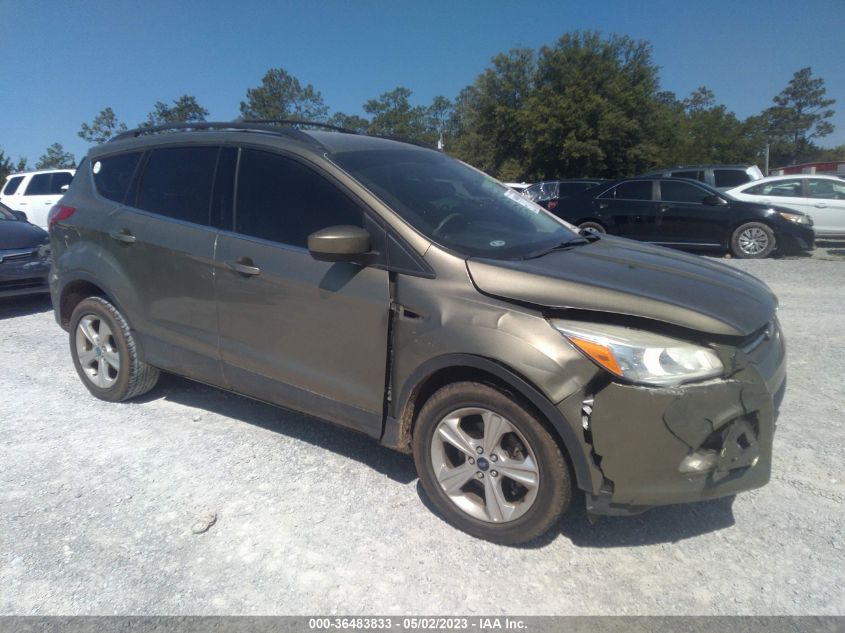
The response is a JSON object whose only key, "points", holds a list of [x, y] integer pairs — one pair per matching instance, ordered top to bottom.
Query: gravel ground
{"points": [[195, 501]]}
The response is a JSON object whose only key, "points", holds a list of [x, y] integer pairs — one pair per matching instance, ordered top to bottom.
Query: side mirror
{"points": [[64, 188], [713, 200], [20, 215], [339, 244]]}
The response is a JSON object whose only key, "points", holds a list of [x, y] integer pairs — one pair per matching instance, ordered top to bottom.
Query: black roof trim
{"points": [[270, 126]]}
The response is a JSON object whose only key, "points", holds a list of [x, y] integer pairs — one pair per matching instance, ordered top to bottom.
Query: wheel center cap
{"points": [[98, 351], [482, 463]]}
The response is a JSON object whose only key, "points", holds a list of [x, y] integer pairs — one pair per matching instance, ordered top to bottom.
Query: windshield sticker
{"points": [[97, 167], [522, 200], [497, 243]]}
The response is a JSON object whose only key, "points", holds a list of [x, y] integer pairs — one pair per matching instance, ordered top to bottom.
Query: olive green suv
{"points": [[389, 288]]}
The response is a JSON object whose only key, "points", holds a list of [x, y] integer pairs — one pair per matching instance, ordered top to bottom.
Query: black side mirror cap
{"points": [[20, 215], [339, 244]]}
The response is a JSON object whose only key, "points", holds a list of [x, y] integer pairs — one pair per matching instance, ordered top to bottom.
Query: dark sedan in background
{"points": [[549, 192], [681, 213], [24, 255]]}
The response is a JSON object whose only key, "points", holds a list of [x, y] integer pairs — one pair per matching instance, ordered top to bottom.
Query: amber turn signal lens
{"points": [[601, 354]]}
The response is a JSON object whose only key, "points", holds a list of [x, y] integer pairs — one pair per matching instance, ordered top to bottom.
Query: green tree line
{"points": [[587, 105]]}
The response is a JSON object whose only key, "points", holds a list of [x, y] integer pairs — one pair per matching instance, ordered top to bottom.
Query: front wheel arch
{"points": [[443, 370]]}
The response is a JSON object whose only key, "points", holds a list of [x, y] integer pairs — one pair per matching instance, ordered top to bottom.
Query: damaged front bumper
{"points": [[659, 446]]}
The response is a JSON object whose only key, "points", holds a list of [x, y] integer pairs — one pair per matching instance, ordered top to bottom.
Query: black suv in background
{"points": [[721, 177], [682, 213], [393, 290]]}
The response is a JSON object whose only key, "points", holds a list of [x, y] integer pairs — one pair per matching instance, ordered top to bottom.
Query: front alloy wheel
{"points": [[753, 240], [489, 464], [485, 465]]}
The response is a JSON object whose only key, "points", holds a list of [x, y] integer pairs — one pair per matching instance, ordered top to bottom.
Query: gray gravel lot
{"points": [[98, 502]]}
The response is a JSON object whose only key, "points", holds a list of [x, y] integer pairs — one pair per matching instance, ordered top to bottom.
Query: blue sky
{"points": [[65, 61]]}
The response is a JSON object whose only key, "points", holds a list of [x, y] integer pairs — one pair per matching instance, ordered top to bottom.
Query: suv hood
{"points": [[621, 276]]}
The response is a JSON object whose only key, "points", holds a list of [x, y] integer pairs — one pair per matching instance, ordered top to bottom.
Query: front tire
{"points": [[753, 240], [104, 352], [489, 465]]}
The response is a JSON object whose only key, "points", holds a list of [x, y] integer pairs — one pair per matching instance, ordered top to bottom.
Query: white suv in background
{"points": [[35, 192]]}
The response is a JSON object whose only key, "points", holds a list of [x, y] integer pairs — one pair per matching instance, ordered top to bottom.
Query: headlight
{"points": [[795, 217], [641, 356]]}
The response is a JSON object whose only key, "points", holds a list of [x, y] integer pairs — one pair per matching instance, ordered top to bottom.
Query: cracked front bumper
{"points": [[659, 446]]}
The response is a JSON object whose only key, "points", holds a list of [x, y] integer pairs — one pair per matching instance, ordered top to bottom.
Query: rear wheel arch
{"points": [[73, 293], [444, 370]]}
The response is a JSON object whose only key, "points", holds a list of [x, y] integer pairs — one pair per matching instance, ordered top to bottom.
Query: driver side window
{"points": [[282, 200]]}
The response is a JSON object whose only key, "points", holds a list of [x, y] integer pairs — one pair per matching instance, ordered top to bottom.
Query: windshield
{"points": [[454, 205]]}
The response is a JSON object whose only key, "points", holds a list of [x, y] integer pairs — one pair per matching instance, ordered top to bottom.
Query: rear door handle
{"points": [[821, 205], [663, 208], [123, 235], [244, 266]]}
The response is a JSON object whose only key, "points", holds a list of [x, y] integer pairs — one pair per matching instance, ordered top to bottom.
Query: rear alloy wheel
{"points": [[595, 227], [753, 240], [104, 352], [489, 465]]}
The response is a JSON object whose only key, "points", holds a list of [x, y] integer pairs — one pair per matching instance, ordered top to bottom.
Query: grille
{"points": [[17, 256]]}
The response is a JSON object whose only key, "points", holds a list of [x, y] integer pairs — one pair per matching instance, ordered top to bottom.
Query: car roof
{"points": [[333, 142], [40, 171]]}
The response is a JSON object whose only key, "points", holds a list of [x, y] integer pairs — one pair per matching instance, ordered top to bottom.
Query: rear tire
{"points": [[592, 226], [753, 240], [104, 352], [489, 465]]}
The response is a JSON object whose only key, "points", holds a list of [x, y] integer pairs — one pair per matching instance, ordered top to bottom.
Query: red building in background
{"points": [[834, 168]]}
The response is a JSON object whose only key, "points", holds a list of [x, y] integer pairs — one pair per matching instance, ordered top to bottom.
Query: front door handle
{"points": [[663, 208], [123, 235], [244, 266]]}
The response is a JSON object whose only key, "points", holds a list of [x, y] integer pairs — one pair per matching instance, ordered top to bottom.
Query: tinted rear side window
{"points": [[113, 174], [692, 175], [730, 177], [59, 180], [177, 183], [12, 185], [39, 185], [633, 190], [676, 191], [281, 200]]}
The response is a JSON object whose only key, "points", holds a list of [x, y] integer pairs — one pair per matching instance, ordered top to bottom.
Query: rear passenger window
{"points": [[113, 174], [692, 175], [730, 177], [59, 180], [177, 183], [12, 185], [39, 185], [632, 190], [675, 191], [281, 200]]}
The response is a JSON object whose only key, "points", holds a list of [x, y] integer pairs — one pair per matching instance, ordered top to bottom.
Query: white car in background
{"points": [[35, 192], [821, 197]]}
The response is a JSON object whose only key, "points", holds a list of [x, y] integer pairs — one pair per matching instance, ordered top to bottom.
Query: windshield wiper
{"points": [[588, 238]]}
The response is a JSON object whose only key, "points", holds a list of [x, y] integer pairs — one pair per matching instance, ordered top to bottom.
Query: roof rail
{"points": [[261, 125]]}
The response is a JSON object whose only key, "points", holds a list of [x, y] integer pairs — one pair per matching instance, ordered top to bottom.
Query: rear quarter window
{"points": [[12, 185]]}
